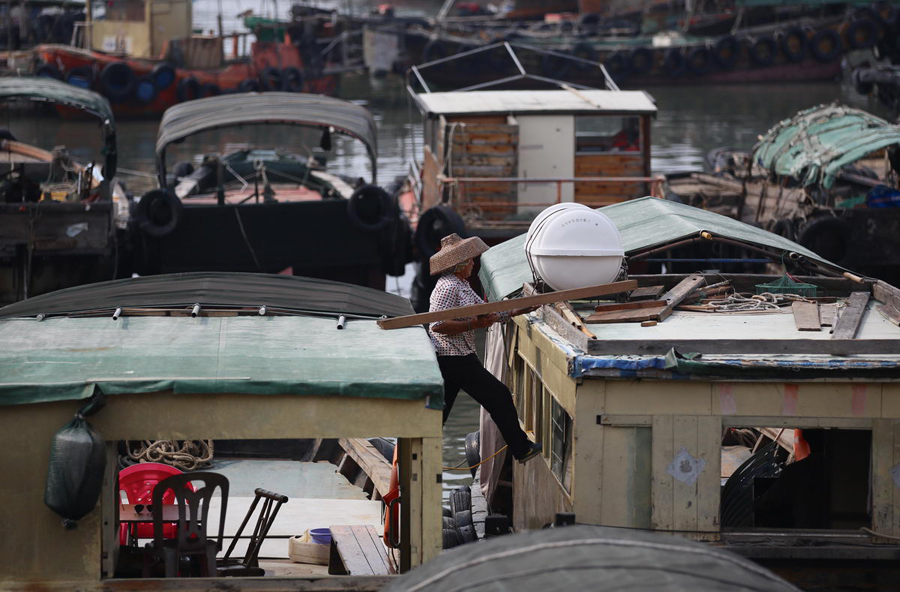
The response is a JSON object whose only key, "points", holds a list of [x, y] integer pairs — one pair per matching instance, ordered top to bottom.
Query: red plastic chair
{"points": [[138, 481]]}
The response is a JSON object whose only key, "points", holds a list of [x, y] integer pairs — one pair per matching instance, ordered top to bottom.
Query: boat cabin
{"points": [[143, 28], [498, 157], [217, 357], [758, 412]]}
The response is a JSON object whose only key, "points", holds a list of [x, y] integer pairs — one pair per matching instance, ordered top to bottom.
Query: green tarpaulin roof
{"points": [[815, 144], [642, 223]]}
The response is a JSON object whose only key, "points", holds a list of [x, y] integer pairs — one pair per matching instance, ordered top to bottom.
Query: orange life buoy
{"points": [[801, 446], [392, 508]]}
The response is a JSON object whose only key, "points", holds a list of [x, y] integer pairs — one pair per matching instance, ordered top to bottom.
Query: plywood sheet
{"points": [[806, 316]]}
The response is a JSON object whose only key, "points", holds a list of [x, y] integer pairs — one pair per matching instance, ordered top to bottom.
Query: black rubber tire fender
{"points": [[862, 33], [793, 43], [825, 45], [434, 50], [763, 50], [584, 51], [726, 52], [641, 60], [699, 60], [674, 62], [616, 65], [48, 71], [85, 73], [163, 75], [271, 79], [293, 79], [117, 81], [249, 85], [188, 89], [208, 89], [145, 91], [371, 208], [158, 212], [434, 224], [826, 235], [473, 451], [461, 500], [466, 526], [451, 537]]}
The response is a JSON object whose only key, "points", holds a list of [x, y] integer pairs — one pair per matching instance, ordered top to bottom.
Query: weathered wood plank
{"points": [[647, 293], [886, 293], [674, 296], [506, 305], [629, 305], [827, 312], [890, 313], [626, 316], [806, 316], [849, 321], [744, 346], [709, 443], [369, 460], [883, 487], [684, 493], [662, 512], [372, 548], [351, 555]]}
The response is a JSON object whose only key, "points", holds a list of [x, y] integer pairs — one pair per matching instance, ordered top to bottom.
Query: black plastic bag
{"points": [[77, 466]]}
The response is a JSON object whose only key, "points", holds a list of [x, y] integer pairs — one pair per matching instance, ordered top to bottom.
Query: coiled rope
{"points": [[187, 455]]}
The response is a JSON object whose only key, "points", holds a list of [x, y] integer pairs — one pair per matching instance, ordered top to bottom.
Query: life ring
{"points": [[862, 33], [793, 44], [826, 45], [434, 50], [763, 50], [585, 51], [726, 52], [699, 60], [640, 61], [674, 63], [616, 65], [48, 71], [163, 75], [81, 76], [271, 79], [293, 79], [117, 81], [249, 85], [188, 89], [208, 89], [145, 91], [371, 208], [158, 212], [434, 224], [827, 235], [392, 506]]}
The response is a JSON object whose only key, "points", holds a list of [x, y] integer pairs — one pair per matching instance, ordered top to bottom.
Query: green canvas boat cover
{"points": [[816, 143], [643, 224], [69, 358]]}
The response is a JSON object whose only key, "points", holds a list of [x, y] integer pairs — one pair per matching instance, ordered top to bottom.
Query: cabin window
{"points": [[125, 10], [595, 134], [560, 443], [782, 478]]}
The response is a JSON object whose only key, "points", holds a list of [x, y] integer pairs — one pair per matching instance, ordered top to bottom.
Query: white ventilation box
{"points": [[569, 246]]}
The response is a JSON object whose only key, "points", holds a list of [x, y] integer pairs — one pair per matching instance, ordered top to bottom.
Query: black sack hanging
{"points": [[77, 466]]}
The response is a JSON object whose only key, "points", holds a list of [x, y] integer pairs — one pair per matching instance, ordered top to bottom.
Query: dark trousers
{"points": [[467, 373]]}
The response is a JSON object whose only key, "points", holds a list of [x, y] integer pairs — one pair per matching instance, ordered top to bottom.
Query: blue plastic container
{"points": [[321, 535]]}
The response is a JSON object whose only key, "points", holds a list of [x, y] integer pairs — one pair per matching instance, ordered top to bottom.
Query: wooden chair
{"points": [[193, 517], [249, 564]]}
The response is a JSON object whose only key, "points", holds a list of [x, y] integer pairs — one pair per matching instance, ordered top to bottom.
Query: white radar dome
{"points": [[572, 246]]}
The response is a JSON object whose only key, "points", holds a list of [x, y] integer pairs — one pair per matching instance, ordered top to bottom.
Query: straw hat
{"points": [[455, 250]]}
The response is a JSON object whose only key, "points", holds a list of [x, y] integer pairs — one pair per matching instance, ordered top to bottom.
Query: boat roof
{"points": [[50, 90], [536, 102], [191, 117], [813, 145], [643, 224], [71, 357]]}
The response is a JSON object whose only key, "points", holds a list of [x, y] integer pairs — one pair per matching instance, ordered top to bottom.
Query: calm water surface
{"points": [[691, 121]]}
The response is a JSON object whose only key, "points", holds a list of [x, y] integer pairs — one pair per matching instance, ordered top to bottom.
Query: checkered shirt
{"points": [[450, 292]]}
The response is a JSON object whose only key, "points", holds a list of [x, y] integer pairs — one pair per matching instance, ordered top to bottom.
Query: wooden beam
{"points": [[647, 293], [674, 296], [629, 305], [462, 312], [568, 313], [806, 316], [850, 318], [835, 347], [370, 461]]}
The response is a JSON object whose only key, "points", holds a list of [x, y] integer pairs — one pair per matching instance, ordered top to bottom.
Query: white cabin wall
{"points": [[546, 149]]}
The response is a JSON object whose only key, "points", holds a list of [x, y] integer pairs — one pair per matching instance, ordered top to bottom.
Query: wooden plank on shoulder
{"points": [[463, 312], [806, 316], [848, 323]]}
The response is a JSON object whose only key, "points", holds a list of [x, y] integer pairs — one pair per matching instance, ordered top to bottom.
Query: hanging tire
{"points": [[862, 33], [793, 44], [826, 45], [434, 50], [763, 50], [584, 51], [726, 52], [641, 61], [699, 61], [674, 63], [616, 65], [48, 71], [163, 75], [82, 77], [271, 79], [293, 79], [117, 81], [249, 85], [188, 89], [208, 89], [145, 90], [183, 169], [370, 208], [158, 212], [434, 224], [827, 236], [473, 451]]}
